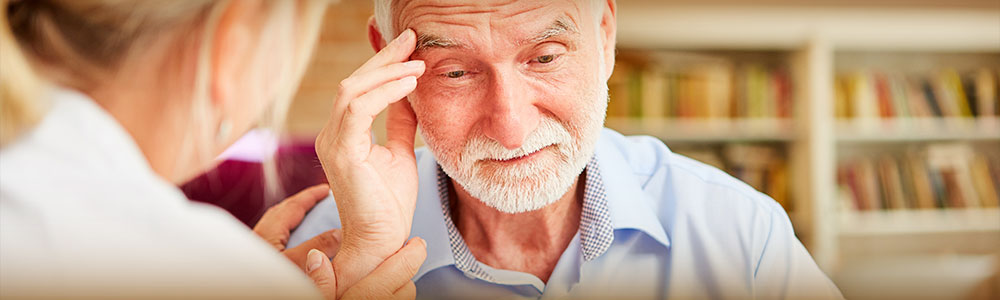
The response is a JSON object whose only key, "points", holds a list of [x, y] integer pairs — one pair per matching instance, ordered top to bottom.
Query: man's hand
{"points": [[375, 186]]}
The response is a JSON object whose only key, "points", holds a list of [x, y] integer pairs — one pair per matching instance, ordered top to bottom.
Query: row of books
{"points": [[699, 87], [949, 93], [761, 166], [939, 176]]}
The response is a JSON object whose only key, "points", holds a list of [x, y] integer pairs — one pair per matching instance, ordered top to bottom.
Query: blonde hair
{"points": [[79, 43], [18, 85]]}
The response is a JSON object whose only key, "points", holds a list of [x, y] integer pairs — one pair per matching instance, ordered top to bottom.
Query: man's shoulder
{"points": [[685, 184]]}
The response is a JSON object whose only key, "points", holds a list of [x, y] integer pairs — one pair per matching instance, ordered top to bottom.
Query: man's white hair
{"points": [[383, 16]]}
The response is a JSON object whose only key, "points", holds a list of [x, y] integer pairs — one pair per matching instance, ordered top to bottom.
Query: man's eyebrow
{"points": [[558, 27], [429, 41]]}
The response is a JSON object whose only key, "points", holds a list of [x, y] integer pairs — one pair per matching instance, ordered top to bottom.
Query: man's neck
{"points": [[530, 242]]}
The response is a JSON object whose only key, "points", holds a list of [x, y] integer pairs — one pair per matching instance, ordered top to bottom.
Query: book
{"points": [[952, 83], [655, 85], [985, 87], [653, 88], [867, 95], [932, 99], [865, 102], [885, 102], [952, 162], [939, 175], [891, 183], [923, 188], [989, 194]]}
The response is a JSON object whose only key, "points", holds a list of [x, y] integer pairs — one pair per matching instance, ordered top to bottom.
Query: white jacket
{"points": [[83, 215]]}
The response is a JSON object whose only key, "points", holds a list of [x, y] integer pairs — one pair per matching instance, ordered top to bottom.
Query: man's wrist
{"points": [[354, 262]]}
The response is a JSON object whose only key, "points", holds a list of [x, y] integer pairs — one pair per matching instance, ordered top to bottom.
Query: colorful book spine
{"points": [[949, 93], [938, 176]]}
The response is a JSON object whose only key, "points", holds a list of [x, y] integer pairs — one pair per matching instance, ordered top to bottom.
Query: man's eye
{"points": [[545, 59], [455, 74]]}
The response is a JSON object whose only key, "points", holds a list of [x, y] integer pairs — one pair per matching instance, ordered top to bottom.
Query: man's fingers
{"points": [[398, 50], [368, 77], [363, 82], [361, 112], [401, 124], [327, 242], [320, 270], [392, 273], [406, 292]]}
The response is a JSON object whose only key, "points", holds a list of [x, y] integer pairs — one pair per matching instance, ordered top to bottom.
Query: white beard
{"points": [[528, 186]]}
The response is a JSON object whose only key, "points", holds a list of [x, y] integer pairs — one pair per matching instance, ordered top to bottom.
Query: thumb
{"points": [[401, 125], [320, 270]]}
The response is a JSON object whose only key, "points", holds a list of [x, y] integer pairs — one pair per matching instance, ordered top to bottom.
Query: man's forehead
{"points": [[444, 17], [559, 27]]}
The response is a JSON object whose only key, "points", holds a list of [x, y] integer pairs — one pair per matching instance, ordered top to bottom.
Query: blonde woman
{"points": [[108, 104]]}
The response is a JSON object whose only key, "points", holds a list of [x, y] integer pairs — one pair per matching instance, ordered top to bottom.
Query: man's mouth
{"points": [[522, 158]]}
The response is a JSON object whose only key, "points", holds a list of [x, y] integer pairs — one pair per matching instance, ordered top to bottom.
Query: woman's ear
{"points": [[609, 33], [374, 36], [232, 45]]}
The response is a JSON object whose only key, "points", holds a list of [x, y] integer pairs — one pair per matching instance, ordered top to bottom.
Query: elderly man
{"points": [[523, 194]]}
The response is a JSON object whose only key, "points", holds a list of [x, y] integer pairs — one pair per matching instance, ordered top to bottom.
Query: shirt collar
{"points": [[629, 204], [624, 206], [428, 219]]}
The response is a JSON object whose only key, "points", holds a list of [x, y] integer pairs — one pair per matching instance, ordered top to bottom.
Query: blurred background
{"points": [[876, 124]]}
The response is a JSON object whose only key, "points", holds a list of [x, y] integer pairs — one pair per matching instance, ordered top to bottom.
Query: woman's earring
{"points": [[224, 128]]}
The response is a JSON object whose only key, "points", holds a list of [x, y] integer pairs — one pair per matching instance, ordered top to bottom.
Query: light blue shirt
{"points": [[661, 226]]}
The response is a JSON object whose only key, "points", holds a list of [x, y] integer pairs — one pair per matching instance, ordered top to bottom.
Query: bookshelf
{"points": [[819, 41], [706, 130], [919, 130], [911, 222]]}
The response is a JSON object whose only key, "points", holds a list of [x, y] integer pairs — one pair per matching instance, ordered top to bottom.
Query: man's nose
{"points": [[510, 111]]}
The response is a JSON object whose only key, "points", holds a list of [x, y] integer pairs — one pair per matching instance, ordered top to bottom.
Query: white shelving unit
{"points": [[812, 36], [918, 129], [707, 130], [928, 221]]}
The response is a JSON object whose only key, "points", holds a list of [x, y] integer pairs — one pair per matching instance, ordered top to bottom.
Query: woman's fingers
{"points": [[277, 222], [327, 242], [320, 270]]}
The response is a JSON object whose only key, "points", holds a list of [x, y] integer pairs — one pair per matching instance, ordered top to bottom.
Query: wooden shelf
{"points": [[917, 129], [706, 130], [903, 222]]}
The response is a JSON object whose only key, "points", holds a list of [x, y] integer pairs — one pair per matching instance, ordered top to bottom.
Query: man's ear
{"points": [[609, 29], [374, 36], [231, 47]]}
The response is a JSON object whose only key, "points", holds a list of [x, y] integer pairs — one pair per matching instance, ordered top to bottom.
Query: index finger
{"points": [[399, 50], [304, 200], [287, 214]]}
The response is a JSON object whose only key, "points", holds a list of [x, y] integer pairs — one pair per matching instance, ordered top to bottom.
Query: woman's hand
{"points": [[375, 186], [276, 225], [390, 280]]}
